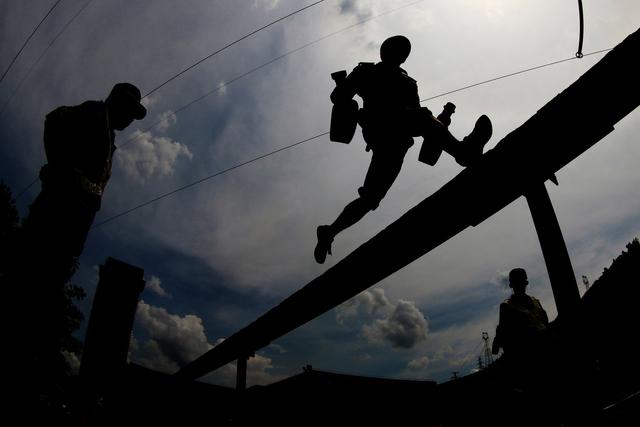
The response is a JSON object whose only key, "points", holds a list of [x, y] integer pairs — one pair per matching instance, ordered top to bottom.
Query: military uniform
{"points": [[390, 116], [79, 144], [522, 326]]}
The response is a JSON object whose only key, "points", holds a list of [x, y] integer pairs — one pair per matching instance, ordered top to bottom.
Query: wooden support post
{"points": [[554, 249], [108, 334], [241, 374]]}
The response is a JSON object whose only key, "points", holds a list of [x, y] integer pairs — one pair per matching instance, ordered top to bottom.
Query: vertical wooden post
{"points": [[554, 249], [111, 322], [108, 335], [241, 374]]}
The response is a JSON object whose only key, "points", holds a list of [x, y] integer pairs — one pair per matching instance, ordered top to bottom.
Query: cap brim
{"points": [[139, 112]]}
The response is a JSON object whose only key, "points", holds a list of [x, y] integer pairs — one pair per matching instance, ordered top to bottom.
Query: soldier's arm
{"points": [[347, 89], [414, 97], [54, 135], [545, 318], [498, 340], [495, 346]]}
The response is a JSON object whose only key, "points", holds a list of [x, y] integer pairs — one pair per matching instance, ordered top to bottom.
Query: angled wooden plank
{"points": [[559, 132]]}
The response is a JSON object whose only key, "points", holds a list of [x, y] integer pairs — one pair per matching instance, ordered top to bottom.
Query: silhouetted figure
{"points": [[390, 117], [79, 145], [522, 329], [524, 336], [526, 369]]}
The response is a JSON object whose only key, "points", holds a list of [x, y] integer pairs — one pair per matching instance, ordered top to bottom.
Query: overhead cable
{"points": [[27, 40], [229, 45], [259, 67], [28, 73], [512, 74], [228, 82], [206, 178], [162, 196]]}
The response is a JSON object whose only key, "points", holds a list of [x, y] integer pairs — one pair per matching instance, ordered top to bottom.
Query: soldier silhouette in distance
{"points": [[390, 117], [523, 323], [526, 365]]}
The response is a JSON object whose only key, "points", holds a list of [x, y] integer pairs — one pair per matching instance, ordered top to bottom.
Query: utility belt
{"points": [[74, 178]]}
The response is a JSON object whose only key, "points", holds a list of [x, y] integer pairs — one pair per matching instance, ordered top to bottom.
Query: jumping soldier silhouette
{"points": [[390, 117]]}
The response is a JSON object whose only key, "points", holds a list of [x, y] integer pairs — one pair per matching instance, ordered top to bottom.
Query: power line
{"points": [[64, 28], [28, 38], [231, 44], [259, 67], [513, 74], [227, 83], [315, 137], [207, 178], [24, 190], [466, 359]]}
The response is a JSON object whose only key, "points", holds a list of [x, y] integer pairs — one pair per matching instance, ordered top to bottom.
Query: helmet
{"points": [[395, 49]]}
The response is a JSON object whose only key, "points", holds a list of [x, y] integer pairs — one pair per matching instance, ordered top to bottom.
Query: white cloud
{"points": [[266, 4], [355, 7], [222, 88], [149, 101], [166, 120], [150, 156], [256, 226], [501, 279], [155, 285], [371, 303], [402, 324], [403, 329], [173, 340], [278, 348], [149, 354], [418, 364], [258, 368], [258, 371]]}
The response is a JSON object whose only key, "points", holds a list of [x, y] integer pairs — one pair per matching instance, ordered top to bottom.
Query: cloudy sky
{"points": [[219, 254]]}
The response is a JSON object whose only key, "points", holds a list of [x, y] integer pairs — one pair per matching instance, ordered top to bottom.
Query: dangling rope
{"points": [[579, 52]]}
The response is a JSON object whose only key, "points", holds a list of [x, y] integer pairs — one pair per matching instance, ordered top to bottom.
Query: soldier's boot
{"points": [[471, 147], [323, 247]]}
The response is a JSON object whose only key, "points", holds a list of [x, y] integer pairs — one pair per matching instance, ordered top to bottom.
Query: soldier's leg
{"points": [[422, 123], [383, 171]]}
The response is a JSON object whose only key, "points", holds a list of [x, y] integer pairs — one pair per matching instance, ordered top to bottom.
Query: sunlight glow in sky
{"points": [[220, 254]]}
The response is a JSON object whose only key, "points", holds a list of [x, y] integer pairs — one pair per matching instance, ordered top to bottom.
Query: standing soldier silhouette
{"points": [[390, 117], [79, 146], [523, 326]]}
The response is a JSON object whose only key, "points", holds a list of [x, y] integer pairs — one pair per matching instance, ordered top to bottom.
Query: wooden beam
{"points": [[559, 132], [554, 250]]}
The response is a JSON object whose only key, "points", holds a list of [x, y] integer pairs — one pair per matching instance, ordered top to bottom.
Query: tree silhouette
{"points": [[9, 224], [72, 317]]}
